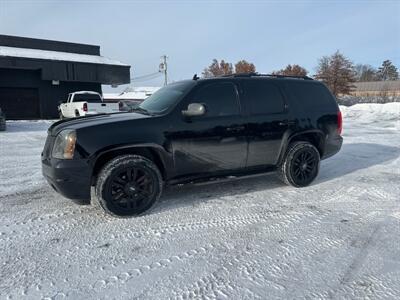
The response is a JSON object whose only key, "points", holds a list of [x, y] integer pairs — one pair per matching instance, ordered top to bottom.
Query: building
{"points": [[36, 75], [376, 88], [137, 94]]}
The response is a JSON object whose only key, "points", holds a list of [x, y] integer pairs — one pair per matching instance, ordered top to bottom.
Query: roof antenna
{"points": [[195, 77]]}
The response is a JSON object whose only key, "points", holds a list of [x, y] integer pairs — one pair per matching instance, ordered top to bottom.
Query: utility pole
{"points": [[164, 68]]}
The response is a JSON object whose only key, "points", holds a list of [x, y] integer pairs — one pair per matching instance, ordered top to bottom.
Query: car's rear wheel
{"points": [[300, 165], [128, 185]]}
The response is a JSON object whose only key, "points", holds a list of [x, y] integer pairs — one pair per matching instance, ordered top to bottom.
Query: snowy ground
{"points": [[252, 238]]}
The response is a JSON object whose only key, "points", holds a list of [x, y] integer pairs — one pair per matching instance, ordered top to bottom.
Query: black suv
{"points": [[193, 130]]}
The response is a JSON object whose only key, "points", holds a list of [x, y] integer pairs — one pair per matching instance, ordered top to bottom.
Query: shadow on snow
{"points": [[351, 158]]}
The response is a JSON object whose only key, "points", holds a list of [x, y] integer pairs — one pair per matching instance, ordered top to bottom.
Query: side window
{"points": [[312, 96], [263, 97], [220, 99]]}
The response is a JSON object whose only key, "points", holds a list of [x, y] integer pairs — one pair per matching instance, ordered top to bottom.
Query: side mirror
{"points": [[194, 110]]}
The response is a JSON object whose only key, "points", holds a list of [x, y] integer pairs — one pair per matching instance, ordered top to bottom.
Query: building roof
{"points": [[34, 43], [57, 56], [61, 61], [393, 85]]}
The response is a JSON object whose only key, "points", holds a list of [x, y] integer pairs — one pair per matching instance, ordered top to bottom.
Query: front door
{"points": [[215, 141]]}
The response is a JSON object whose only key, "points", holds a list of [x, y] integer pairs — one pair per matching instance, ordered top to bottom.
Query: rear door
{"points": [[267, 120]]}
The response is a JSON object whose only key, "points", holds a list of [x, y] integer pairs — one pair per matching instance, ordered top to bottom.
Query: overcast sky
{"points": [[271, 34]]}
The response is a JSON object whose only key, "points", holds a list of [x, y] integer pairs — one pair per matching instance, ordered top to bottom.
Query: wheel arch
{"points": [[315, 137], [150, 151]]}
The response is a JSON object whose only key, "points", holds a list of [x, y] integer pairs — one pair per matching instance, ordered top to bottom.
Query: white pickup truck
{"points": [[85, 103]]}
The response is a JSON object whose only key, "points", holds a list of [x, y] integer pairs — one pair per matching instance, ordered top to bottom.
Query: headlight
{"points": [[64, 145]]}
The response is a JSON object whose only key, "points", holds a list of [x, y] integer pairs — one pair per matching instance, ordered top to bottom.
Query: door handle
{"points": [[286, 123], [235, 129]]}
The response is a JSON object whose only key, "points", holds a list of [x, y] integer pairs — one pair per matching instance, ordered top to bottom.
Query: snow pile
{"points": [[137, 93], [349, 100], [373, 112]]}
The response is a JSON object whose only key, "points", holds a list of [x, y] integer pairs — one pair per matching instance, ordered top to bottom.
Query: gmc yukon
{"points": [[194, 130]]}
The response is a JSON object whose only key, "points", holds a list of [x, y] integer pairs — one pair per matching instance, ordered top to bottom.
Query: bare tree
{"points": [[243, 66], [217, 69], [292, 70], [337, 72], [365, 73]]}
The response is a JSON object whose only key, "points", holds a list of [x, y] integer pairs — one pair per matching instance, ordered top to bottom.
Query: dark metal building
{"points": [[35, 74]]}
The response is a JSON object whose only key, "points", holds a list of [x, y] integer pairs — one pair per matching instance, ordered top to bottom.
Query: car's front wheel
{"points": [[300, 165], [128, 185]]}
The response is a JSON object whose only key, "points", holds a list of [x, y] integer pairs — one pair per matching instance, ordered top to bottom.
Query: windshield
{"points": [[166, 97]]}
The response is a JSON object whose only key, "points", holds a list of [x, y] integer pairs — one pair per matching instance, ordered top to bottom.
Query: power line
{"points": [[163, 69], [151, 75]]}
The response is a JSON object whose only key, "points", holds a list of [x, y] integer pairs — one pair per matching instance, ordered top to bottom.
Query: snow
{"points": [[56, 55], [138, 93], [349, 100], [387, 113], [249, 238]]}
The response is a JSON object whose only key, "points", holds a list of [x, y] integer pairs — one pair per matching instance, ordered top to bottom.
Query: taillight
{"points": [[85, 107], [339, 123]]}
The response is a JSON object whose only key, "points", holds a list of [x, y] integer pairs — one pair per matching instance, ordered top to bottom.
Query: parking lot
{"points": [[249, 238]]}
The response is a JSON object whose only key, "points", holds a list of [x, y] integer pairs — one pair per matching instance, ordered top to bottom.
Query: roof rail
{"points": [[266, 75]]}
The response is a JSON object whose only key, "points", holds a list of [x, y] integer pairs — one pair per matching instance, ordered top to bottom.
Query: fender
{"points": [[290, 135], [165, 157]]}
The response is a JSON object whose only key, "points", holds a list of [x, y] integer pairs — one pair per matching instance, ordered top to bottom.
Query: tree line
{"points": [[336, 71]]}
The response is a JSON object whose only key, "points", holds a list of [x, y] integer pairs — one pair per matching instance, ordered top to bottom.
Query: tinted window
{"points": [[312, 96], [166, 97], [263, 97], [91, 98], [219, 98]]}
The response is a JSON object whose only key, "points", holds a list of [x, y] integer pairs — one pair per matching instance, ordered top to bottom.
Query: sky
{"points": [[270, 34]]}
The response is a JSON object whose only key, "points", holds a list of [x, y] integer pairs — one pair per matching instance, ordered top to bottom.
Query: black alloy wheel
{"points": [[300, 165], [304, 166], [128, 185], [131, 188]]}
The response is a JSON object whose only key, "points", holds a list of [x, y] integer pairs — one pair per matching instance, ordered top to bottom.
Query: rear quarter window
{"points": [[311, 96]]}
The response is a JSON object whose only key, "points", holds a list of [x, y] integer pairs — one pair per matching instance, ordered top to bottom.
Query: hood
{"points": [[99, 119]]}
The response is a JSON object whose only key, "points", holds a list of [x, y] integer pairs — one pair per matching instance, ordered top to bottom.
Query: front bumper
{"points": [[70, 178]]}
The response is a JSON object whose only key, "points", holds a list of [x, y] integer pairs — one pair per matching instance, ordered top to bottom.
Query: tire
{"points": [[77, 113], [300, 165], [128, 185]]}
